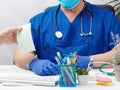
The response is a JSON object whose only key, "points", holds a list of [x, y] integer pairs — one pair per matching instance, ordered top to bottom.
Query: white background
{"points": [[17, 13]]}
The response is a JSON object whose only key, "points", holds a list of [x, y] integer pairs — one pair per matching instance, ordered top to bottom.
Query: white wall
{"points": [[98, 1], [18, 12]]}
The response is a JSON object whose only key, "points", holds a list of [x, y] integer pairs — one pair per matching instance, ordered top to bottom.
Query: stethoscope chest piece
{"points": [[58, 34]]}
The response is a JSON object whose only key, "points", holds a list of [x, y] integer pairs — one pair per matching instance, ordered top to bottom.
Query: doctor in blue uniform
{"points": [[71, 26]]}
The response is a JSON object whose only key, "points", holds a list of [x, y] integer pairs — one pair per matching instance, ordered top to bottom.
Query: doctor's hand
{"points": [[84, 62], [43, 67]]}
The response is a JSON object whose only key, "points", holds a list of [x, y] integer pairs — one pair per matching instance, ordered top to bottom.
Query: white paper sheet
{"points": [[24, 39]]}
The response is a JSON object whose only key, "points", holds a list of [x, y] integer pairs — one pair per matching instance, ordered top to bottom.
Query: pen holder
{"points": [[67, 75]]}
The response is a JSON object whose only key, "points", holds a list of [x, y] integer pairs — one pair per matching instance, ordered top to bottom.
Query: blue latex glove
{"points": [[84, 62], [43, 67]]}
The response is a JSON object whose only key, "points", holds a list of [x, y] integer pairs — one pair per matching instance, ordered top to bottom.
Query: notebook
{"points": [[12, 73]]}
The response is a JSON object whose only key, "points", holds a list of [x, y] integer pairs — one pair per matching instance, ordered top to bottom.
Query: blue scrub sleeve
{"points": [[35, 28], [114, 28], [84, 62], [43, 67]]}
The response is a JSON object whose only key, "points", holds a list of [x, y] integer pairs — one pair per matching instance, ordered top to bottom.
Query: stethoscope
{"points": [[59, 34], [104, 64], [109, 73]]}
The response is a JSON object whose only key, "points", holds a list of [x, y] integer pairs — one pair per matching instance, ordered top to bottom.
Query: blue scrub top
{"points": [[47, 44]]}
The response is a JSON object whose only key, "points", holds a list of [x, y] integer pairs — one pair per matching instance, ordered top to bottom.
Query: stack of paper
{"points": [[24, 39], [15, 74]]}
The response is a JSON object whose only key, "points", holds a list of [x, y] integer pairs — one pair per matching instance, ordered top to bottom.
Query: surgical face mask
{"points": [[69, 4]]}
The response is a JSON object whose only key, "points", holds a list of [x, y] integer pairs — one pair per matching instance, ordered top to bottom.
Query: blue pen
{"points": [[59, 56], [57, 60], [64, 60], [61, 69]]}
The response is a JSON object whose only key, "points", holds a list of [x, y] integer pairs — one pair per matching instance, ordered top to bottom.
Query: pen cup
{"points": [[67, 75]]}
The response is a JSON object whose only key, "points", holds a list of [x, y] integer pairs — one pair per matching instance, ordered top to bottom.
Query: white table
{"points": [[91, 86]]}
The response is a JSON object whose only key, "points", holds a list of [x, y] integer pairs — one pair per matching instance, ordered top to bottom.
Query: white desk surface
{"points": [[91, 86]]}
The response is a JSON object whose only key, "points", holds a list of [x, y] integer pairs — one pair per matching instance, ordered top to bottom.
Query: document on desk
{"points": [[24, 39], [14, 74]]}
